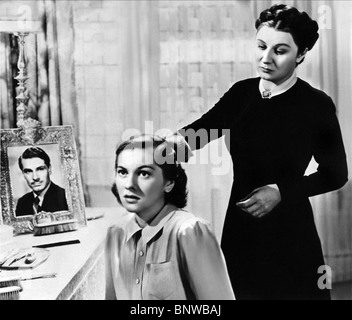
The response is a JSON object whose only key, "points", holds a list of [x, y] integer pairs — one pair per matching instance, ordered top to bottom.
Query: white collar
{"points": [[276, 90]]}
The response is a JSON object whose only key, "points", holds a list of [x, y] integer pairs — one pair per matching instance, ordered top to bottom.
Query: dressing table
{"points": [[78, 267]]}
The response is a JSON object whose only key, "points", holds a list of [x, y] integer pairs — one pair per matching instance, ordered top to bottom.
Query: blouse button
{"points": [[141, 253], [137, 281]]}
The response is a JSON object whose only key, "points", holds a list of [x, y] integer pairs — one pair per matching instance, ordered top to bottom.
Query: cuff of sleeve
{"points": [[291, 192]]}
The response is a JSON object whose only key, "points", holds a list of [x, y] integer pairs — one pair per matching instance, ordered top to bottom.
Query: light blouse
{"points": [[176, 257]]}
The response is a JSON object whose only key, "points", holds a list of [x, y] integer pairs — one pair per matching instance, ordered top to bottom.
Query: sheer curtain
{"points": [[205, 46], [139, 61], [50, 68], [333, 72], [7, 108]]}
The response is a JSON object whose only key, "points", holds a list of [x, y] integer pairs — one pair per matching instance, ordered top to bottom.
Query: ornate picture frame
{"points": [[59, 143]]}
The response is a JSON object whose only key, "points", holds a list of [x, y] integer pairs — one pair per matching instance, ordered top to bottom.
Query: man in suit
{"points": [[45, 195]]}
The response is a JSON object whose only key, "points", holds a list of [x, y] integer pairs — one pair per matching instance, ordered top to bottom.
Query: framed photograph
{"points": [[40, 173]]}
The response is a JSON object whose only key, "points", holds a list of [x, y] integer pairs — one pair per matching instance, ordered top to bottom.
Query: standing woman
{"points": [[277, 123]]}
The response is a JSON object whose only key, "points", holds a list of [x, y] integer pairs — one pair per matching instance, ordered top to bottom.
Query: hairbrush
{"points": [[47, 223], [55, 227], [10, 288], [10, 293]]}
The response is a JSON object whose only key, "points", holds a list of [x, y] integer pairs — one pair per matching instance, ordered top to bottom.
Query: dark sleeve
{"points": [[214, 123], [328, 152], [55, 199], [62, 200], [24, 206], [18, 207]]}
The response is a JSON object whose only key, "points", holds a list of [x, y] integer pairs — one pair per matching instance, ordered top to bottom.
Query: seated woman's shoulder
{"points": [[122, 220], [186, 221]]}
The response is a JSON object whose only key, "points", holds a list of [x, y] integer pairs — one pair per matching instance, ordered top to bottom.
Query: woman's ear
{"points": [[301, 56], [169, 186]]}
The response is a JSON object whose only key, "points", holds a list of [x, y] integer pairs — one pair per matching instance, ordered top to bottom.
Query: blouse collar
{"points": [[276, 90], [149, 230]]}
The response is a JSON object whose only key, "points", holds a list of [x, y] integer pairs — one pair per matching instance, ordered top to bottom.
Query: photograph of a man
{"points": [[45, 195]]}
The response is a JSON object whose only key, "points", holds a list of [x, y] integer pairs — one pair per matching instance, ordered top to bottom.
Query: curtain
{"points": [[205, 47], [139, 61], [50, 67], [328, 67], [7, 95], [333, 210]]}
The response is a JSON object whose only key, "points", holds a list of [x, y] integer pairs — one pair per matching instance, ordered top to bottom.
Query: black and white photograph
{"points": [[181, 150], [36, 176], [40, 177]]}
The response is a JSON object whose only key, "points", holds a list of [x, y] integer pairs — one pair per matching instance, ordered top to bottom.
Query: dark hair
{"points": [[284, 18], [34, 152], [165, 156]]}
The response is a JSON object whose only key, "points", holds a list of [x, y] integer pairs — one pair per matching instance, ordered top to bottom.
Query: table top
{"points": [[66, 261]]}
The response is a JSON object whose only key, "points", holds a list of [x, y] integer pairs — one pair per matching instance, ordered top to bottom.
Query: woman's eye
{"points": [[261, 47], [280, 52], [121, 173], [144, 174]]}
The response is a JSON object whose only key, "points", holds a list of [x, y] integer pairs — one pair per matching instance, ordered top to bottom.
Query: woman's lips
{"points": [[265, 69], [131, 198]]}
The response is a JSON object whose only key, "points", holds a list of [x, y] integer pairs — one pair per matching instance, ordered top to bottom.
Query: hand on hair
{"points": [[182, 148]]}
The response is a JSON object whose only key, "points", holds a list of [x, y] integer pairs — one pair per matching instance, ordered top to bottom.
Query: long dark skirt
{"points": [[275, 257]]}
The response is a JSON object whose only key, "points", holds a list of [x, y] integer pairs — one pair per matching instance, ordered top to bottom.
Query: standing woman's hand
{"points": [[261, 201]]}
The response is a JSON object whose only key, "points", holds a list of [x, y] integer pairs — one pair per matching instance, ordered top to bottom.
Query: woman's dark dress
{"points": [[272, 141]]}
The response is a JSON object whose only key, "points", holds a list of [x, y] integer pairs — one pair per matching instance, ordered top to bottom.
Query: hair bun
{"points": [[303, 29]]}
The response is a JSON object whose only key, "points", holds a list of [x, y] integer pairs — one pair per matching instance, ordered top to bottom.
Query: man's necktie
{"points": [[36, 205]]}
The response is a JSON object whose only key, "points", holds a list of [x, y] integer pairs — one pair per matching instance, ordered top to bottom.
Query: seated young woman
{"points": [[158, 250]]}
